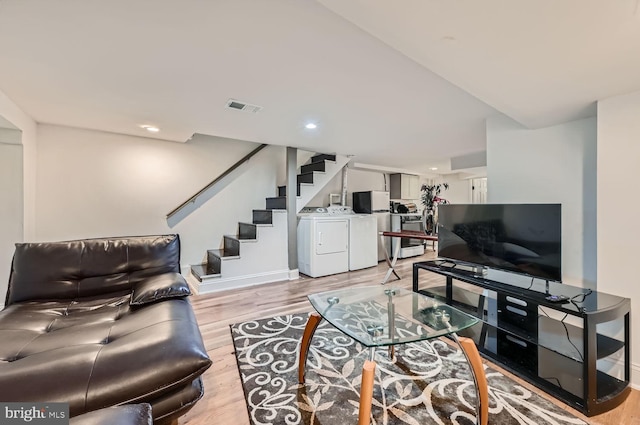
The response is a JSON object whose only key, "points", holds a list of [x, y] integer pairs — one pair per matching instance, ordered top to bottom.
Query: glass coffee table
{"points": [[371, 316]]}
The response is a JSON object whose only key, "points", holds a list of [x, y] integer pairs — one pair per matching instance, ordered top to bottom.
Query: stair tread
{"points": [[323, 157], [299, 184], [282, 190], [276, 202], [262, 217], [247, 231], [239, 239], [220, 253], [201, 271]]}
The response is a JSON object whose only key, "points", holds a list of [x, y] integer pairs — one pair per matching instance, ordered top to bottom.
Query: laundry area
{"points": [[339, 238], [335, 239]]}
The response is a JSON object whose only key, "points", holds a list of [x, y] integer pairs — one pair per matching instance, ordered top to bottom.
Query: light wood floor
{"points": [[223, 402]]}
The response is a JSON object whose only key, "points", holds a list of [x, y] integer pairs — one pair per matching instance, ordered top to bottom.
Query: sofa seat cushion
{"points": [[98, 352]]}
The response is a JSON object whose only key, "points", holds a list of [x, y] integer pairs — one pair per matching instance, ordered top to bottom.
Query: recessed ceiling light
{"points": [[310, 126], [150, 128], [433, 168]]}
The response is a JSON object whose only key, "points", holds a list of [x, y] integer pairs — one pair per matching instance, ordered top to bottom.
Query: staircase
{"points": [[311, 179], [258, 251]]}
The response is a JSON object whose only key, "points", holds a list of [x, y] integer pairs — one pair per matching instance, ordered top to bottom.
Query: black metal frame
{"points": [[590, 404]]}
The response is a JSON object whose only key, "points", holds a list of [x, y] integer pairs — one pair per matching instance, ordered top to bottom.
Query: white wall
{"points": [[12, 113], [550, 165], [357, 181], [95, 184], [17, 186], [459, 191], [618, 206], [11, 209]]}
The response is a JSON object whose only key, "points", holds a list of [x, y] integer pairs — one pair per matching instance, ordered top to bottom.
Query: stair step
{"points": [[321, 157], [314, 166], [305, 177], [282, 190], [279, 203], [262, 217], [247, 231], [231, 246], [214, 255], [214, 262], [201, 271]]}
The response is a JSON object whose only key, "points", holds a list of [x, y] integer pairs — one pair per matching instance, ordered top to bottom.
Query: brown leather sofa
{"points": [[101, 322], [128, 414]]}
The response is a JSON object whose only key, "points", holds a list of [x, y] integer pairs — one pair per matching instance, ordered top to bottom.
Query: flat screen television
{"points": [[519, 238]]}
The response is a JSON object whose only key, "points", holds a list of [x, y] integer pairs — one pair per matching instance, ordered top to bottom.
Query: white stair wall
{"points": [[262, 260]]}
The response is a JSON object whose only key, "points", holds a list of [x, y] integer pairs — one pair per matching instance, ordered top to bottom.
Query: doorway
{"points": [[479, 191]]}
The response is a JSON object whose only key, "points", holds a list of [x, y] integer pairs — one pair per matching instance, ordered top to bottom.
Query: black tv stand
{"points": [[553, 345]]}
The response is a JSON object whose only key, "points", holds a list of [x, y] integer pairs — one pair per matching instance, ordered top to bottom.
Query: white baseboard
{"points": [[294, 274], [191, 281], [217, 284]]}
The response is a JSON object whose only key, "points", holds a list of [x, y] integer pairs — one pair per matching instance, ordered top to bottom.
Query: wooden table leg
{"points": [[309, 330], [474, 360], [366, 392]]}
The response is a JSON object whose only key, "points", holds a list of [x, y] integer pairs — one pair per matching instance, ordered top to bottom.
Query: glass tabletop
{"points": [[381, 315]]}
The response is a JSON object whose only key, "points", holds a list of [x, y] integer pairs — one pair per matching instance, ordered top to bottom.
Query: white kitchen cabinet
{"points": [[404, 186]]}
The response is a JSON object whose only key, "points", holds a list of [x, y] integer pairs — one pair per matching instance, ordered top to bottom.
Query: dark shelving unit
{"points": [[535, 339]]}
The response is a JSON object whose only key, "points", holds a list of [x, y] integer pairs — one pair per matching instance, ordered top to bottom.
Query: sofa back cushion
{"points": [[89, 267]]}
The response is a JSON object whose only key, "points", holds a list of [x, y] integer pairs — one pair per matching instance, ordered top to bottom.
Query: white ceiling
{"points": [[400, 84]]}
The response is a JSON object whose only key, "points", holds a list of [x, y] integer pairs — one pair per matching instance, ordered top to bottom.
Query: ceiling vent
{"points": [[243, 106]]}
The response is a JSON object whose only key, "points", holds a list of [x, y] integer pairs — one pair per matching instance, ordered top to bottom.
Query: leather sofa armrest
{"points": [[159, 287]]}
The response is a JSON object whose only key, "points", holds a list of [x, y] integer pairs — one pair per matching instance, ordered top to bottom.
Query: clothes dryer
{"points": [[323, 244]]}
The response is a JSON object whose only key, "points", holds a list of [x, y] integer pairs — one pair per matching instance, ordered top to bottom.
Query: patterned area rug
{"points": [[426, 382]]}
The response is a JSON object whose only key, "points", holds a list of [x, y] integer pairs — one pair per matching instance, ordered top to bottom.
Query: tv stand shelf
{"points": [[554, 346]]}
